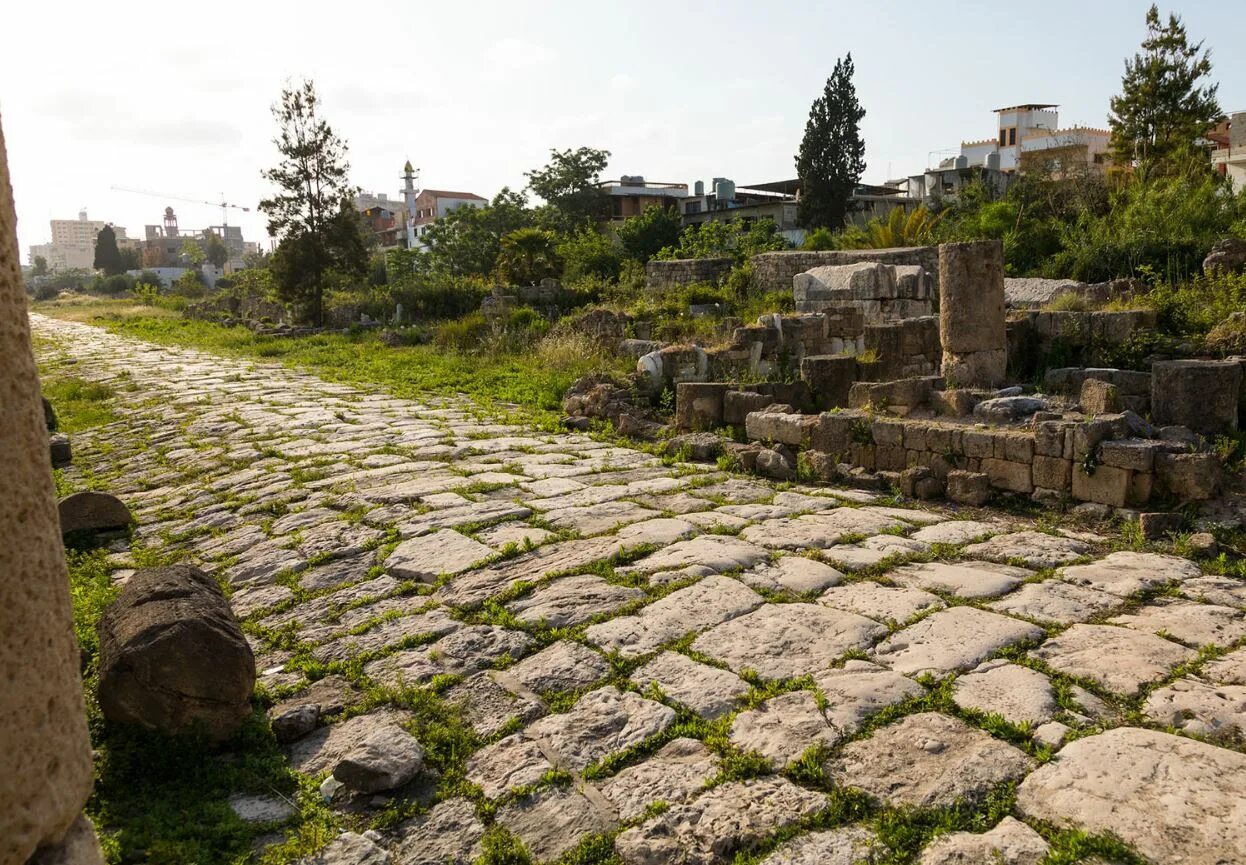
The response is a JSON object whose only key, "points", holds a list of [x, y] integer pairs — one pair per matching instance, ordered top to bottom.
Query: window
{"points": [[1012, 136], [1003, 137], [693, 207]]}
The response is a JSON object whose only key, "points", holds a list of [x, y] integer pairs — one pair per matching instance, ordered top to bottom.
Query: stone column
{"points": [[971, 313], [45, 753]]}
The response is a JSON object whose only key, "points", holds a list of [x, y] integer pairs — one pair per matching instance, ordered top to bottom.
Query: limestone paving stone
{"points": [[595, 519], [818, 530], [658, 532], [957, 532], [520, 534], [1035, 549], [717, 552], [425, 557], [351, 569], [1126, 573], [795, 574], [964, 579], [1212, 589], [470, 590], [569, 601], [1058, 602], [881, 603], [696, 607], [1191, 623], [386, 634], [951, 640], [779, 641], [1119, 659], [563, 666], [1229, 670], [859, 690], [708, 691], [1018, 694], [488, 707], [1199, 707], [603, 722], [782, 728], [324, 748], [928, 760], [506, 764], [672, 775], [1171, 798], [554, 820], [710, 829], [449, 833], [1011, 842], [850, 845], [349, 849]]}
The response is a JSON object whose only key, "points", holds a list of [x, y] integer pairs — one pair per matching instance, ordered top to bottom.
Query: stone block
{"points": [[971, 301], [982, 369], [830, 377], [1199, 394], [1100, 397], [953, 403], [737, 404], [699, 405], [774, 426], [834, 432], [887, 433], [1051, 439], [978, 444], [1017, 447], [59, 450], [1135, 454], [891, 458], [1053, 473], [1008, 475], [1189, 477], [1108, 485], [968, 488], [1156, 525]]}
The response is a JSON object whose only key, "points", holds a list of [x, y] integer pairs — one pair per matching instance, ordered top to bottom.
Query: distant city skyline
{"points": [[476, 94]]}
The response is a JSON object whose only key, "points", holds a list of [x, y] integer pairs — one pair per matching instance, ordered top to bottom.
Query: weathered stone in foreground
{"points": [[93, 512], [957, 532], [1036, 549], [718, 552], [425, 557], [1125, 573], [792, 574], [965, 579], [570, 601], [1056, 601], [881, 603], [1192, 623], [951, 640], [780, 641], [172, 656], [1119, 659], [564, 666], [1229, 670], [859, 690], [708, 691], [1018, 694], [488, 707], [1199, 707], [603, 722], [783, 728], [323, 748], [385, 759], [927, 761], [506, 764], [672, 775], [1170, 798], [552, 821], [710, 829], [448, 834], [1011, 842], [851, 845], [349, 849]]}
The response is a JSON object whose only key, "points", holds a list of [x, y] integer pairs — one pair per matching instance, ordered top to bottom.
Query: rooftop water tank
{"points": [[992, 160], [962, 161], [698, 188], [724, 190]]}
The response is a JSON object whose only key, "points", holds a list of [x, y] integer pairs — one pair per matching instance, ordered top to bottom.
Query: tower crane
{"points": [[224, 205]]}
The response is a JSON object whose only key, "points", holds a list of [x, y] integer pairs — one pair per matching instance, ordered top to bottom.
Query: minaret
{"points": [[409, 193]]}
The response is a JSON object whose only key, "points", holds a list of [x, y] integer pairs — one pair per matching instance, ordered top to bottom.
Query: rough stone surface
{"points": [[93, 512], [1036, 549], [425, 557], [1126, 573], [965, 579], [570, 601], [1058, 602], [882, 603], [1191, 623], [951, 640], [172, 656], [1119, 659], [564, 666], [860, 690], [708, 691], [1018, 694], [1200, 707], [603, 722], [783, 728], [385, 759], [927, 761], [672, 775], [1170, 798], [552, 821], [448, 834], [1011, 842], [851, 845], [349, 848]]}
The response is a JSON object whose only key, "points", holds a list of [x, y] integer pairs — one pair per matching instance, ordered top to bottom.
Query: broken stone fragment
{"points": [[93, 512], [387, 758]]}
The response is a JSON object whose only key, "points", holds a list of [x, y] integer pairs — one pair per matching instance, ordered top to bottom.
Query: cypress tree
{"points": [[832, 154]]}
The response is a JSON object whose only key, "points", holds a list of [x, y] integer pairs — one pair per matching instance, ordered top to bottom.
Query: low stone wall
{"points": [[773, 271], [661, 275], [1035, 339], [902, 349], [1133, 386]]}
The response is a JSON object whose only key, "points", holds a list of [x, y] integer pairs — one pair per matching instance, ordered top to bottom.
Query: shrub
{"points": [[644, 236], [819, 239], [738, 240], [589, 254], [528, 255], [150, 277], [114, 285], [1068, 301], [465, 334]]}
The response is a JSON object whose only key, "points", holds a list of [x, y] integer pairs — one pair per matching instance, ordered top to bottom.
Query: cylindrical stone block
{"points": [[971, 313], [1199, 394], [45, 754]]}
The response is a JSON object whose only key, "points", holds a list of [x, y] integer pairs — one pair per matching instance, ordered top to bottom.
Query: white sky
{"points": [[174, 97]]}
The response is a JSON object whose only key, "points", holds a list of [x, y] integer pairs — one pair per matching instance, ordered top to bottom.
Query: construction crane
{"points": [[224, 205]]}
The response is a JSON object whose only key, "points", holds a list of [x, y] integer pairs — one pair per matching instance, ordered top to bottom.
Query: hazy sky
{"points": [[174, 97]]}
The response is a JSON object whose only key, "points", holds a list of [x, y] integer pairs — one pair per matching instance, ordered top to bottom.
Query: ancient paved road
{"points": [[640, 628]]}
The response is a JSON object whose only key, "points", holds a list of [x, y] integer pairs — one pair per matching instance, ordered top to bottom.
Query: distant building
{"points": [[1029, 138], [1228, 155], [946, 182], [631, 194], [726, 202], [429, 205], [386, 224], [73, 243], [164, 245]]}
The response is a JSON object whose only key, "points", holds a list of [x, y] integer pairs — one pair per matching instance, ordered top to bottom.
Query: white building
{"points": [[1030, 136], [1229, 155], [73, 243]]}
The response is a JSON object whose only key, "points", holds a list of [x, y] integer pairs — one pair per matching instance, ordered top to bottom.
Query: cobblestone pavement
{"points": [[688, 663]]}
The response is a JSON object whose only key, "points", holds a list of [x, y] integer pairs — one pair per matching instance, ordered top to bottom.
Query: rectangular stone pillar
{"points": [[971, 314]]}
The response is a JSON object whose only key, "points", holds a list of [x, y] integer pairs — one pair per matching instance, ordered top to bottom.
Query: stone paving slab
{"points": [[951, 640], [1119, 659]]}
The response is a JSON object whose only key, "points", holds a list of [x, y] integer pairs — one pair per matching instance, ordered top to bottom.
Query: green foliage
{"points": [[1164, 105], [832, 153], [568, 184], [901, 228], [646, 235], [737, 239], [820, 239], [468, 240], [214, 250], [193, 252], [589, 254], [107, 256], [527, 256], [39, 267], [150, 277], [117, 284], [189, 284], [427, 295], [80, 404], [91, 590]]}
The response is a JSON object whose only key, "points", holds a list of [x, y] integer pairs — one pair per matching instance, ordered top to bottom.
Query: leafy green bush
{"points": [[644, 236], [737, 239], [819, 239], [589, 253], [528, 255], [113, 285], [465, 334]]}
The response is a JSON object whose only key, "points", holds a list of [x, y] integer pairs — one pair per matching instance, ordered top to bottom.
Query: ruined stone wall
{"points": [[773, 271], [660, 275], [1041, 339], [902, 349], [45, 753]]}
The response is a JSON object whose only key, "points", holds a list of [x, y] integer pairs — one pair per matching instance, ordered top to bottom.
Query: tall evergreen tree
{"points": [[1165, 103], [832, 154], [311, 205], [107, 256]]}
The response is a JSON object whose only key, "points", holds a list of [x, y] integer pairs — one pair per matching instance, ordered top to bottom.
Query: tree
{"points": [[1164, 105], [832, 154], [569, 185], [306, 212], [644, 235], [467, 240], [739, 240], [216, 252], [193, 253], [589, 253], [528, 255], [107, 256], [131, 259], [39, 267]]}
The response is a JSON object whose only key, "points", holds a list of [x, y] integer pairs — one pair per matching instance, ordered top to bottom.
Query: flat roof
{"points": [[1030, 107]]}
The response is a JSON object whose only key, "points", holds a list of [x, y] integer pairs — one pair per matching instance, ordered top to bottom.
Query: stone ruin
{"points": [[880, 391]]}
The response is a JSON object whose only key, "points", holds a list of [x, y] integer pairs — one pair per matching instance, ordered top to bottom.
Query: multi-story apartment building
{"points": [[73, 243]]}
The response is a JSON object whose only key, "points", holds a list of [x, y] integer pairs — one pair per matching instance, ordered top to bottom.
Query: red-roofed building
{"points": [[432, 204]]}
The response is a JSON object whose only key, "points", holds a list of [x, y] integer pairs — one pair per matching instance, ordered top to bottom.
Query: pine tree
{"points": [[1164, 106], [832, 154], [311, 203], [107, 256]]}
